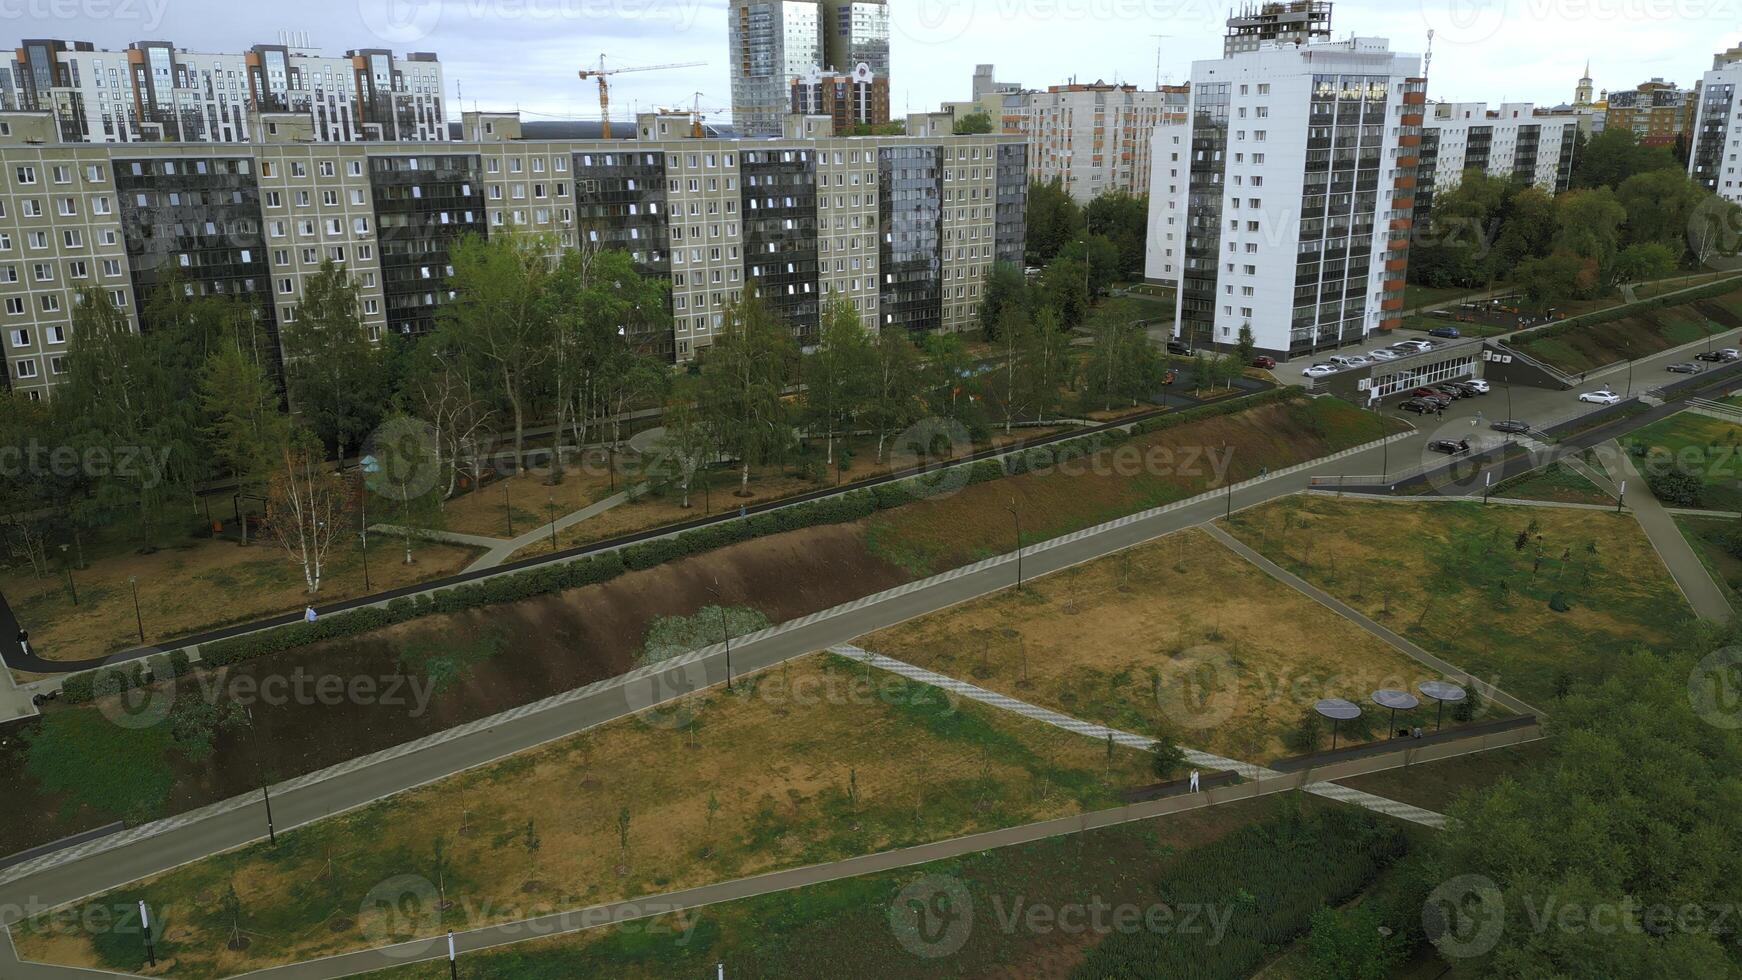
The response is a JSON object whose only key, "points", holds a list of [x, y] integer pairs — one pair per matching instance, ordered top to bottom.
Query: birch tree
{"points": [[834, 374], [743, 376], [303, 502]]}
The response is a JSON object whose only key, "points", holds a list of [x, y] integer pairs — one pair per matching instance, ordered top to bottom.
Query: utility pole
{"points": [[1018, 519], [725, 631], [145, 927]]}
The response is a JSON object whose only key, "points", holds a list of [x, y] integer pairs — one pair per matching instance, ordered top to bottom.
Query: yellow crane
{"points": [[602, 74]]}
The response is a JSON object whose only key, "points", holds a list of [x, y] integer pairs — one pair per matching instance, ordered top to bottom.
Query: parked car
{"points": [[1448, 332], [1414, 345], [1177, 346], [1730, 353], [1383, 354], [1724, 354], [1709, 355], [1347, 360], [1264, 361], [1685, 367], [1319, 370], [1478, 385], [1462, 387], [1452, 390], [1601, 396], [1420, 406], [1510, 425], [1449, 447]]}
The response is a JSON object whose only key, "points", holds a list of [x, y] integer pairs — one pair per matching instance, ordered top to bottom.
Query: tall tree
{"points": [[1610, 157], [1659, 205], [1123, 219], [1053, 220], [1588, 224], [1006, 287], [1064, 288], [498, 319], [1044, 362], [1122, 363], [333, 373], [835, 373], [744, 374], [437, 387], [894, 403], [244, 427], [688, 441], [304, 500]]}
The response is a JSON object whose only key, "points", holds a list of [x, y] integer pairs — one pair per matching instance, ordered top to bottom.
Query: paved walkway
{"points": [[501, 550], [1690, 574], [1355, 616], [1247, 770]]}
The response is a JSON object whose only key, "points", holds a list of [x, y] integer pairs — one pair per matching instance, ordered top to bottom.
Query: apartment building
{"points": [[1294, 22], [773, 43], [153, 91], [859, 98], [1655, 111], [1717, 128], [1096, 137], [1516, 141], [1294, 181], [906, 229]]}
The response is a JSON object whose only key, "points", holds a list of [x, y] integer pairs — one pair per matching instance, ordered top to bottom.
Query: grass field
{"points": [[1415, 296], [1636, 335], [1699, 445], [1151, 470], [1555, 482], [528, 497], [1710, 539], [199, 583], [1474, 583], [1180, 628], [813, 761], [1436, 785], [844, 928]]}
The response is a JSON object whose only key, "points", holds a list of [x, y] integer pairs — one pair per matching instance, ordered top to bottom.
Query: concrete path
{"points": [[394, 531], [501, 550], [1690, 574], [1348, 612], [1206, 760], [502, 934]]}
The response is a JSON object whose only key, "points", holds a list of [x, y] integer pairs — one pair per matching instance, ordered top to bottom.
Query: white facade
{"points": [[1516, 140], [1712, 159], [1299, 172], [1164, 244]]}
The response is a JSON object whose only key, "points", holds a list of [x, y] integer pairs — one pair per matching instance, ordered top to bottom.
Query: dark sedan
{"points": [[1510, 425], [1449, 447]]}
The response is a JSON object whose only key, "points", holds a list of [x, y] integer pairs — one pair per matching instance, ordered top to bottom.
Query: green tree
{"points": [[973, 124], [1610, 157], [1659, 205], [1123, 219], [1053, 220], [1588, 224], [1643, 262], [1555, 280], [1006, 288], [1064, 288], [497, 319], [1245, 346], [1122, 363], [1044, 364], [836, 372], [744, 374], [334, 375], [893, 401], [244, 427], [688, 441], [406, 474], [1167, 757], [1348, 944]]}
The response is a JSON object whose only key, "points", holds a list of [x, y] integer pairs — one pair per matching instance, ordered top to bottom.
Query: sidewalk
{"points": [[1690, 574]]}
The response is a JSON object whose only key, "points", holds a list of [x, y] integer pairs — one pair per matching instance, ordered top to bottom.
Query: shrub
{"points": [[1674, 487], [1558, 602]]}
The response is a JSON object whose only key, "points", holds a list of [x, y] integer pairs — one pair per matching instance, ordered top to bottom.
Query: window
{"points": [[26, 175], [26, 367]]}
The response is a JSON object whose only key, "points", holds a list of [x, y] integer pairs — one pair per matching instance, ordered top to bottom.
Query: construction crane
{"points": [[602, 74]]}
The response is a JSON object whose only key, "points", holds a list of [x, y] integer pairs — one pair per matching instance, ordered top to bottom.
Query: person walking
{"points": [[308, 615], [24, 641], [1194, 780]]}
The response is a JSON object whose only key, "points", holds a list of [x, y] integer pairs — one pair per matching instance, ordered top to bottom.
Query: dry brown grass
{"points": [[530, 494], [200, 584], [1150, 632], [779, 761]]}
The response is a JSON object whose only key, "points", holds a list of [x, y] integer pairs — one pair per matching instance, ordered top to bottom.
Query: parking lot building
{"points": [[1297, 195], [905, 229]]}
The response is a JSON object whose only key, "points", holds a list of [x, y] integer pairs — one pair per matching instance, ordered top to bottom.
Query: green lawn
{"points": [[1415, 296], [1636, 335], [1707, 448], [1557, 482], [1710, 538], [1475, 583]]}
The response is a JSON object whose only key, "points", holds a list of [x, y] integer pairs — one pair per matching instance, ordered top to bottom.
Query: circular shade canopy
{"points": [[1441, 690], [1395, 700], [1338, 709]]}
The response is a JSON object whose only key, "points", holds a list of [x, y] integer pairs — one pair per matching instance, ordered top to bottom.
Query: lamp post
{"points": [[550, 502], [508, 508], [1017, 518], [363, 527], [67, 560], [138, 620], [725, 631], [265, 792], [145, 928], [453, 964]]}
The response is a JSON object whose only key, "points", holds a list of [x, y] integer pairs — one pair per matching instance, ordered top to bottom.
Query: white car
{"points": [[1384, 354], [1319, 370], [1478, 384], [1601, 396]]}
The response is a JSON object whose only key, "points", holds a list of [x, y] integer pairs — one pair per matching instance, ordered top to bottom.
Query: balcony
{"points": [[1415, 98], [1413, 140], [1405, 182], [1396, 265], [1392, 305], [1391, 324]]}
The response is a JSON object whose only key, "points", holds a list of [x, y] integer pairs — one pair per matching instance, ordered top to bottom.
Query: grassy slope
{"points": [[1638, 334], [1708, 448]]}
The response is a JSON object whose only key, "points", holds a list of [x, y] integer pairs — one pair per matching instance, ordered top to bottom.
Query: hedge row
{"points": [[1552, 330], [559, 576]]}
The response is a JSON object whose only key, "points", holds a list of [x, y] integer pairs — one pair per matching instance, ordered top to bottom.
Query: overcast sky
{"points": [[506, 54]]}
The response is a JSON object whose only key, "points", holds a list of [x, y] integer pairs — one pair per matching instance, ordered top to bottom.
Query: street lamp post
{"points": [[550, 502], [508, 508], [1017, 518], [363, 527], [66, 560], [138, 620], [725, 631], [265, 792], [145, 927], [453, 964]]}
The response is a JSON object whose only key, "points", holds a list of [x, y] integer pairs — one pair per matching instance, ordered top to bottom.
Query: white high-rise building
{"points": [[773, 43], [154, 91], [1718, 127], [1517, 141], [1295, 194]]}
